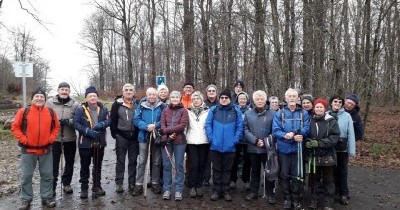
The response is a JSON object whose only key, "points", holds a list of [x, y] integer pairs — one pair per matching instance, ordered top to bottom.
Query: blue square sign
{"points": [[161, 80]]}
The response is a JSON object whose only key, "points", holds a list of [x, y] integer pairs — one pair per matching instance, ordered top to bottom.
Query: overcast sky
{"points": [[59, 45]]}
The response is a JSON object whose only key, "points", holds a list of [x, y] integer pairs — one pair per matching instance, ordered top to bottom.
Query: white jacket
{"points": [[195, 131]]}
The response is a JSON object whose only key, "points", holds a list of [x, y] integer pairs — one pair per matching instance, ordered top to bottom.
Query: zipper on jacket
{"points": [[39, 127]]}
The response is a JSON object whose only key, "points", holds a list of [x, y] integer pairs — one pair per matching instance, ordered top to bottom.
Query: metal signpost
{"points": [[24, 70]]}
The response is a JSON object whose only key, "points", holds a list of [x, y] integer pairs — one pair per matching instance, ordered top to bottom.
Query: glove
{"points": [[64, 122], [99, 126], [91, 133], [313, 143]]}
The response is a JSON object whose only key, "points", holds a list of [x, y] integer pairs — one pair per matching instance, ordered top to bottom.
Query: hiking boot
{"points": [[206, 183], [232, 185], [119, 188], [131, 188], [156, 188], [68, 189], [138, 190], [99, 191], [193, 192], [199, 192], [84, 194], [166, 195], [178, 196], [214, 196], [251, 196], [227, 197], [271, 199], [344, 200], [49, 203], [287, 204], [313, 204], [25, 205], [296, 205], [328, 208]]}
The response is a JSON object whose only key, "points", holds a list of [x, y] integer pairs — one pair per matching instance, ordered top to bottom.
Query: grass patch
{"points": [[5, 134], [378, 150]]}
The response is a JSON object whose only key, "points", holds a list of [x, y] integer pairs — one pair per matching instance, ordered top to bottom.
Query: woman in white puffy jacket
{"points": [[197, 143]]}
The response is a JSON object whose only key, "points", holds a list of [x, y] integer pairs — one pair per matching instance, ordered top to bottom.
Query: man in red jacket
{"points": [[36, 130]]}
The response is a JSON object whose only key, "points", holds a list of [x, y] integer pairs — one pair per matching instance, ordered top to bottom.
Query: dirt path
{"points": [[371, 188]]}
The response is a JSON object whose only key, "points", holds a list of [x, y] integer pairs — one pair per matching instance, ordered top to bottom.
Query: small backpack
{"points": [[272, 164]]}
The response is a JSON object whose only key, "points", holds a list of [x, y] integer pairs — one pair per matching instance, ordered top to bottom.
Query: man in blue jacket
{"points": [[91, 121], [290, 126], [224, 128]]}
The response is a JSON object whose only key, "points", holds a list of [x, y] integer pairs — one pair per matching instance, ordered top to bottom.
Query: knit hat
{"points": [[239, 82], [188, 83], [63, 85], [162, 87], [91, 89], [39, 90], [226, 92], [242, 93], [308, 97], [353, 97], [321, 101]]}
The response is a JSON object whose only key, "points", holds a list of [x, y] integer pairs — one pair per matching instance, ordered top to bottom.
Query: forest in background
{"points": [[319, 46]]}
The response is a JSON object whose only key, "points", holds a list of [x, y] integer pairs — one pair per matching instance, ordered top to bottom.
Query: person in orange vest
{"points": [[36, 128]]}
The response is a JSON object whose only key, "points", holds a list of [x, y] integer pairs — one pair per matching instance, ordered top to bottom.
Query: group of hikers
{"points": [[224, 134]]}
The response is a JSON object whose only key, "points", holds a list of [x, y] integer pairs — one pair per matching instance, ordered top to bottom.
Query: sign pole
{"points": [[23, 85]]}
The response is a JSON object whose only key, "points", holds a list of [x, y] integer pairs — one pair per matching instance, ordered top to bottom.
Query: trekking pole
{"points": [[62, 160], [172, 161], [263, 166], [147, 168]]}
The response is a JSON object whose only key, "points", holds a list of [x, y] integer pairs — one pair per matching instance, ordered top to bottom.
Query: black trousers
{"points": [[123, 147], [69, 150], [88, 155], [198, 155], [241, 155], [258, 162], [221, 166], [341, 173], [327, 174], [291, 186]]}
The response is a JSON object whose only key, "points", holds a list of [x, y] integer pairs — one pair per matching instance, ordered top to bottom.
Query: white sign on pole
{"points": [[23, 69]]}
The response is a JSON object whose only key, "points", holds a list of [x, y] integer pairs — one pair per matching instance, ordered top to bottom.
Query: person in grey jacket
{"points": [[257, 128], [125, 134], [65, 144]]}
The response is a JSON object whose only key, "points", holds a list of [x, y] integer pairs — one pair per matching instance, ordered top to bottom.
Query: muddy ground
{"points": [[371, 188]]}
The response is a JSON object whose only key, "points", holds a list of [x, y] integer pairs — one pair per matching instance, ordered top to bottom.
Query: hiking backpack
{"points": [[24, 120], [271, 168]]}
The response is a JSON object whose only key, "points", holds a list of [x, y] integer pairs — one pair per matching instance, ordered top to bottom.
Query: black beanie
{"points": [[188, 83], [63, 85], [91, 89], [39, 90], [226, 92], [308, 97], [353, 97]]}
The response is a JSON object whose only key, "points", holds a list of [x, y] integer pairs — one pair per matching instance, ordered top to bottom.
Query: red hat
{"points": [[321, 101]]}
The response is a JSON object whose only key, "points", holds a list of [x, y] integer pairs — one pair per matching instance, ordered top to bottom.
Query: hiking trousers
{"points": [[28, 165]]}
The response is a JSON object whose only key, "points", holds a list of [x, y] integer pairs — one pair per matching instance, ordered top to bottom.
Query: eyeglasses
{"points": [[211, 91], [224, 97], [337, 101]]}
